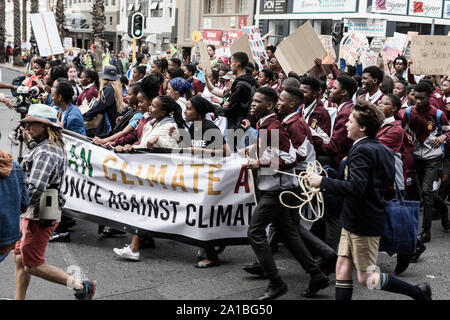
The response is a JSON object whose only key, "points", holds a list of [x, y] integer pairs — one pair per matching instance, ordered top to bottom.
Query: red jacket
{"points": [[87, 94], [376, 100], [318, 118], [392, 135], [301, 139], [339, 144], [278, 155]]}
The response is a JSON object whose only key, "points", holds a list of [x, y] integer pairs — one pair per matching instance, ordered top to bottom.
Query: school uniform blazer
{"points": [[73, 120], [339, 144], [369, 171]]}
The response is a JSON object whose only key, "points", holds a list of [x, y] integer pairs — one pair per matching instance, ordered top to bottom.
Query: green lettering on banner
{"points": [[85, 161]]}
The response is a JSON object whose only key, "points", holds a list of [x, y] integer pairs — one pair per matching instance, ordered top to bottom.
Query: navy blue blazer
{"points": [[369, 171]]}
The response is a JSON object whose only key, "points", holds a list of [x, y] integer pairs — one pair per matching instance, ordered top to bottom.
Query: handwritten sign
{"points": [[327, 42], [377, 44], [256, 45], [394, 46], [353, 47], [431, 55], [204, 57]]}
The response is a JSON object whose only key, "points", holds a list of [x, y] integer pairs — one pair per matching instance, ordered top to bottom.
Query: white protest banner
{"points": [[324, 6], [390, 7], [426, 8], [367, 27], [46, 33], [256, 44], [353, 47], [291, 53], [431, 55], [175, 196]]}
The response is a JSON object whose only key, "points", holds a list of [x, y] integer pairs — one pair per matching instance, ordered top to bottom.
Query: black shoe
{"points": [[444, 220], [108, 233], [425, 236], [60, 237], [147, 243], [419, 250], [403, 260], [329, 266], [254, 269], [316, 284], [425, 290], [272, 292]]}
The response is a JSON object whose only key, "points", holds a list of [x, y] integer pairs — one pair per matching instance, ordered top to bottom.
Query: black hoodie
{"points": [[242, 92]]}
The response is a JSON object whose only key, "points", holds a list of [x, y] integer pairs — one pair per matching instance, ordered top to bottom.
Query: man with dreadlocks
{"points": [[45, 167]]}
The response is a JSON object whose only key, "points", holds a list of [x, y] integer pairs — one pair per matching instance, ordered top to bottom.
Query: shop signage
{"points": [[274, 6], [324, 6]]}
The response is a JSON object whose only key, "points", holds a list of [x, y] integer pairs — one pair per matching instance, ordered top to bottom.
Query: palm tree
{"points": [[60, 18], [24, 20], [98, 25], [2, 30], [17, 53]]}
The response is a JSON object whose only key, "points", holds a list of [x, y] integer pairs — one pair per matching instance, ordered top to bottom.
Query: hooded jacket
{"points": [[13, 199]]}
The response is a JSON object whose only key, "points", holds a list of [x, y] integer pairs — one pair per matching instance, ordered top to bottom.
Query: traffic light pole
{"points": [[134, 50]]}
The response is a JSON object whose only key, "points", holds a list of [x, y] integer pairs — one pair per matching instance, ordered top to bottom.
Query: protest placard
{"points": [[46, 34], [327, 42], [67, 43], [256, 44], [377, 44], [243, 45], [394, 46], [353, 47], [407, 49], [299, 50], [431, 55], [369, 58], [205, 61]]}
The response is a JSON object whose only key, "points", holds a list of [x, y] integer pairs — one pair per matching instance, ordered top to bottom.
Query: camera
{"points": [[23, 100]]}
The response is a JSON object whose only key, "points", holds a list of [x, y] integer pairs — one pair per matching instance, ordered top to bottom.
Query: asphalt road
{"points": [[167, 272]]}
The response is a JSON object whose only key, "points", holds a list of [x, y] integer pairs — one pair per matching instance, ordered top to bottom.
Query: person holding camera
{"points": [[45, 167]]}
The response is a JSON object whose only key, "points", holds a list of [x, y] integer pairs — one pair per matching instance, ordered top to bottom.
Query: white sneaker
{"points": [[126, 253]]}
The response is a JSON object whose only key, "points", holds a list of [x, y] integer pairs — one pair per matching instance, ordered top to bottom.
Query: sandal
{"points": [[201, 264]]}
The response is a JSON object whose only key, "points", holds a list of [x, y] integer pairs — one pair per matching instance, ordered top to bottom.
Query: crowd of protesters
{"points": [[341, 117]]}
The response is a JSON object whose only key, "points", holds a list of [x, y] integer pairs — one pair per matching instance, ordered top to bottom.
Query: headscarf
{"points": [[225, 60], [181, 85]]}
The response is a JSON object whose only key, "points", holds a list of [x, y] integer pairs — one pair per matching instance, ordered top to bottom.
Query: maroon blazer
{"points": [[89, 94], [319, 117], [298, 131], [339, 145]]}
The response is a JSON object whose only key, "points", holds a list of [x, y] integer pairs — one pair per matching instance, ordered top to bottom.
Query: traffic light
{"points": [[136, 25]]}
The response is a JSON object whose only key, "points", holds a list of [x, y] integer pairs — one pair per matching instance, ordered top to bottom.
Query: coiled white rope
{"points": [[313, 197]]}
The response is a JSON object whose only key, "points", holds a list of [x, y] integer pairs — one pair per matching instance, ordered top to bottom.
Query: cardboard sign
{"points": [[46, 33], [196, 36], [243, 45], [353, 47], [291, 53], [431, 55], [204, 57], [369, 58]]}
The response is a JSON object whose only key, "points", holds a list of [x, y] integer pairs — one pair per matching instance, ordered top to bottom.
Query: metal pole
{"points": [[432, 27], [134, 49]]}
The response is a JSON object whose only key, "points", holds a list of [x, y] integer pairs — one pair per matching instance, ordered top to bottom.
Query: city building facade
{"points": [[377, 18]]}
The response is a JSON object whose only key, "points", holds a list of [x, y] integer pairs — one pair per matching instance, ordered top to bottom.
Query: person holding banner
{"points": [[45, 167], [269, 209]]}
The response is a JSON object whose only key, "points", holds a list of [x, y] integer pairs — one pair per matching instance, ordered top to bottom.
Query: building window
{"points": [[106, 2], [113, 2], [210, 6], [226, 6], [243, 6], [156, 9], [110, 21], [278, 27]]}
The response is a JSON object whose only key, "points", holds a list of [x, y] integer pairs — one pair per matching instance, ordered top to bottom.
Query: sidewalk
{"points": [[14, 68]]}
